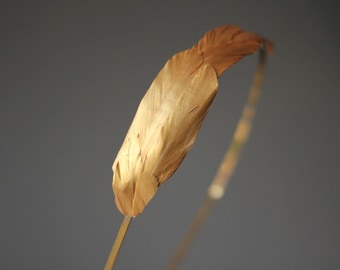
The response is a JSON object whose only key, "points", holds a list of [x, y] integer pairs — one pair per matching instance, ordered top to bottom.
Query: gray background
{"points": [[72, 75]]}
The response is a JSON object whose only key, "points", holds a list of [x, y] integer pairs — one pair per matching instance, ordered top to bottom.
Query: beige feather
{"points": [[171, 113]]}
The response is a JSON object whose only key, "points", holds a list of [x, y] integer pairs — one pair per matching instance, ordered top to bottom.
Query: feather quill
{"points": [[171, 113]]}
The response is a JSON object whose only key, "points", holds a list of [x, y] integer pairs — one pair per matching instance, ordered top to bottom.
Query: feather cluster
{"points": [[171, 113]]}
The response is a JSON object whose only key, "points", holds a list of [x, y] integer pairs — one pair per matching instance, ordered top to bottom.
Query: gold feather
{"points": [[171, 113]]}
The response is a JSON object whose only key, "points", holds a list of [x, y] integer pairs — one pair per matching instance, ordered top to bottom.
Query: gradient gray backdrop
{"points": [[72, 75]]}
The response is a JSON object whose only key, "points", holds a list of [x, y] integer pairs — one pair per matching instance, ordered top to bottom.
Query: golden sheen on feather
{"points": [[171, 113]]}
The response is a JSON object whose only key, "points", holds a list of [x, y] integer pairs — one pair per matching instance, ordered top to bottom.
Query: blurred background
{"points": [[72, 75]]}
